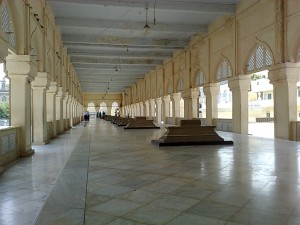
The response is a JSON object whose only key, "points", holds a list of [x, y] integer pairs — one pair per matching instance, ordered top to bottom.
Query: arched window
{"points": [[7, 26], [259, 59], [224, 70], [200, 78], [179, 85], [169, 89], [161, 92]]}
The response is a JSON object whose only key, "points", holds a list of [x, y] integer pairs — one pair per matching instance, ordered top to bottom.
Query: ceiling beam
{"points": [[192, 6], [130, 26], [115, 40], [123, 54], [116, 61], [109, 67]]}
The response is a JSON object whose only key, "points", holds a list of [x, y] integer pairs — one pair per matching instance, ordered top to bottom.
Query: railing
{"points": [[203, 121], [223, 124], [8, 145]]}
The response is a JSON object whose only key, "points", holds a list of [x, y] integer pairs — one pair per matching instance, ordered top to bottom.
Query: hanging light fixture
{"points": [[154, 19], [146, 27]]}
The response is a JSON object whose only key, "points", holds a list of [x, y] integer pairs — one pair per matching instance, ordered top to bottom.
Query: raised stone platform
{"points": [[123, 121], [141, 123], [191, 133]]}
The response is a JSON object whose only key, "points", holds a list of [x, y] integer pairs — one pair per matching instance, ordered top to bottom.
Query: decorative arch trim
{"points": [[7, 24], [260, 58], [224, 71], [200, 77], [179, 84]]}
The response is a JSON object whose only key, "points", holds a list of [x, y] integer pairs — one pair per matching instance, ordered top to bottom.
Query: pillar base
{"points": [[40, 143], [30, 152]]}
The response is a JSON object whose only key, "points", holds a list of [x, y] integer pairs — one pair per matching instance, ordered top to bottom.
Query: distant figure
{"points": [[86, 115]]}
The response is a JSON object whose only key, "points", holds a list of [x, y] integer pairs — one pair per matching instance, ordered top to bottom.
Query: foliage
{"points": [[257, 76], [4, 110]]}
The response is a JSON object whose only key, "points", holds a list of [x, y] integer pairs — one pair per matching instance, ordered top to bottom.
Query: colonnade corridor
{"points": [[103, 174]]}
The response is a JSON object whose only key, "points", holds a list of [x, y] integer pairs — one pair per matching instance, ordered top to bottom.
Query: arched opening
{"points": [[8, 29], [199, 82], [260, 97], [4, 98], [202, 103], [103, 108], [91, 109], [115, 109], [223, 121]]}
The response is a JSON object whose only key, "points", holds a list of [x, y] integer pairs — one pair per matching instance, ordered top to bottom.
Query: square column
{"points": [[20, 72], [284, 78], [240, 85], [211, 92], [175, 98], [195, 102], [51, 106], [39, 107], [147, 107], [166, 107], [142, 108], [152, 109], [59, 110], [65, 110], [158, 110]]}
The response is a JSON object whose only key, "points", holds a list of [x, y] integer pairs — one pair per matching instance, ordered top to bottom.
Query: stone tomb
{"points": [[141, 123], [190, 132]]}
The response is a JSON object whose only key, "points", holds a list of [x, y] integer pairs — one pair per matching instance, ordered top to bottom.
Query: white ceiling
{"points": [[102, 35]]}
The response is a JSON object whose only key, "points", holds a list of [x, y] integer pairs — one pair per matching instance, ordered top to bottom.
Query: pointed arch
{"points": [[260, 58], [224, 70], [200, 77], [179, 85], [169, 88], [161, 92]]}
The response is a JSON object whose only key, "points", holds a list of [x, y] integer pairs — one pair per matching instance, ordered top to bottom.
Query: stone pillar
{"points": [[20, 72], [284, 78], [239, 86], [211, 92], [175, 98], [195, 102], [51, 106], [137, 106], [147, 106], [188, 106], [166, 107], [39, 108], [142, 109], [152, 109], [59, 110], [65, 110], [158, 110], [70, 111]]}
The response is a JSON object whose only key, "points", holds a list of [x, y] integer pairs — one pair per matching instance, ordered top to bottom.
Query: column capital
{"points": [[20, 65], [289, 72], [41, 81], [241, 82], [52, 88], [212, 88], [175, 96], [166, 98], [152, 100], [158, 100]]}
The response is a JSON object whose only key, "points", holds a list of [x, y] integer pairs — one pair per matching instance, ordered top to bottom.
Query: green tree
{"points": [[4, 110]]}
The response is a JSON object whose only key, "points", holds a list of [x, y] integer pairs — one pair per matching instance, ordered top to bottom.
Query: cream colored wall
{"points": [[257, 22], [97, 99]]}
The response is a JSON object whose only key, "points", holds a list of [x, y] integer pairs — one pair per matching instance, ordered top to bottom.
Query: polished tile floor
{"points": [[103, 174]]}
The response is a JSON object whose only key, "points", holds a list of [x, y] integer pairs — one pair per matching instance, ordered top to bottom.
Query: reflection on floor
{"points": [[103, 174]]}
